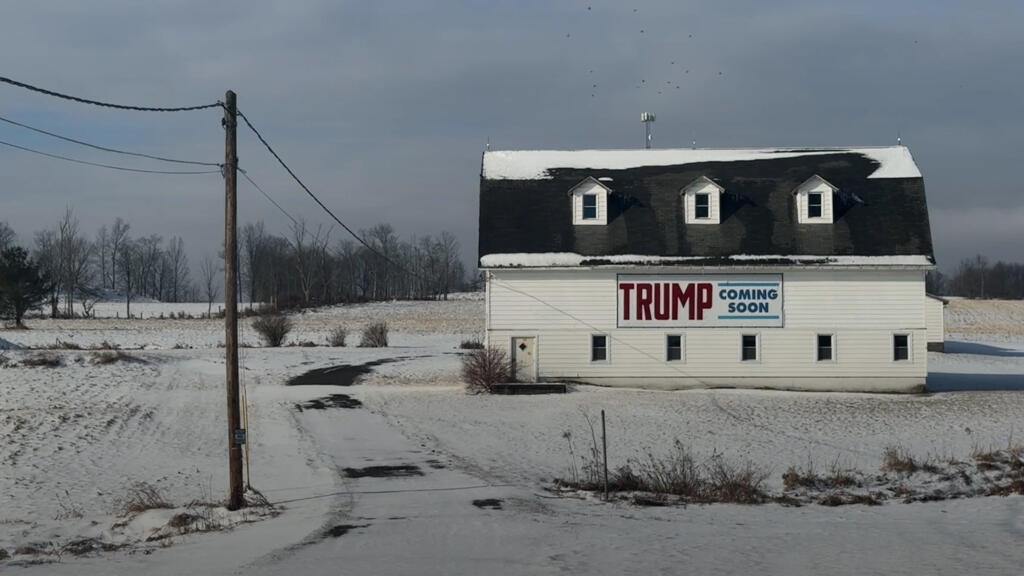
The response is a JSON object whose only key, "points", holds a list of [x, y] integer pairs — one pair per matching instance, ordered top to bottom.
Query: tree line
{"points": [[306, 267], [977, 278]]}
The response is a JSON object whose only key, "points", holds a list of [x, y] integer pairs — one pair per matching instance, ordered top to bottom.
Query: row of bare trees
{"points": [[307, 267], [977, 278]]}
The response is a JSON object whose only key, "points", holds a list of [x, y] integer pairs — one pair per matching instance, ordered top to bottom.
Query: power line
{"points": [[12, 82], [105, 149], [112, 167], [267, 196], [321, 204]]}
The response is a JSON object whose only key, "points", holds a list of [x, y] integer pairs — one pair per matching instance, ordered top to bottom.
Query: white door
{"points": [[524, 365]]}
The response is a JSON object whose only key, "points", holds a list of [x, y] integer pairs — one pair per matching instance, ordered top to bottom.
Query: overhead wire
{"points": [[81, 100], [106, 149], [110, 166], [267, 196]]}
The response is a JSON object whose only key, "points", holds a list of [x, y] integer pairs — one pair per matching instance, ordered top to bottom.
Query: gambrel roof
{"points": [[881, 218]]}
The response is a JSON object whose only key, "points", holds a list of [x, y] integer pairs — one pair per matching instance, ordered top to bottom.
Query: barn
{"points": [[783, 268]]}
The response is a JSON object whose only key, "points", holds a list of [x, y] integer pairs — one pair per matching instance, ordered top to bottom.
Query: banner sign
{"points": [[698, 301]]}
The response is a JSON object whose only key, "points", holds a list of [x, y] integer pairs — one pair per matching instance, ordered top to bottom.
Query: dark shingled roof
{"points": [[873, 216]]}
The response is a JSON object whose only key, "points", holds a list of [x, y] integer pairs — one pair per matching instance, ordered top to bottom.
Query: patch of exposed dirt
{"points": [[344, 375], [332, 401], [399, 471], [488, 503], [342, 529]]}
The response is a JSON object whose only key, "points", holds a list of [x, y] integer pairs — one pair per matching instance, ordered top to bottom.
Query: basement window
{"points": [[814, 205], [590, 206], [702, 206], [826, 343], [901, 347], [598, 348], [674, 348], [748, 352]]}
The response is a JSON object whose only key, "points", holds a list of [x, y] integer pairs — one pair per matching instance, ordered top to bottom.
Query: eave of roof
{"points": [[573, 260]]}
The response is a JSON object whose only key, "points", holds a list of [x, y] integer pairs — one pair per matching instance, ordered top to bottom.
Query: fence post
{"points": [[604, 452]]}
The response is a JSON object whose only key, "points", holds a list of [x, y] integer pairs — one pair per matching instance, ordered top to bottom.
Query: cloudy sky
{"points": [[384, 107]]}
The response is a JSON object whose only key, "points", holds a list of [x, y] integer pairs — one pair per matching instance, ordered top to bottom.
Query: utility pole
{"points": [[236, 434]]}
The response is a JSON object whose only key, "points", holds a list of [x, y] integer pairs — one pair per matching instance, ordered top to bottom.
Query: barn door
{"points": [[524, 365]]}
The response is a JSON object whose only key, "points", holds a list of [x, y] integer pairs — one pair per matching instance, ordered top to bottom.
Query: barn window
{"points": [[814, 205], [590, 206], [702, 206], [825, 347], [901, 347], [598, 348], [674, 348], [748, 351]]}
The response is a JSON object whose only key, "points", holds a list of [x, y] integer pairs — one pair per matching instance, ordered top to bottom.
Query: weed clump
{"points": [[273, 328], [337, 336], [375, 336], [484, 368]]}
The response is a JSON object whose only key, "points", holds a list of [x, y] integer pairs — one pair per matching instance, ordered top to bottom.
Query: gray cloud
{"points": [[384, 107]]}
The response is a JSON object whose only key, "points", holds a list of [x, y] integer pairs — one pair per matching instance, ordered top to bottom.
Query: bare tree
{"points": [[118, 235], [6, 236], [102, 244], [253, 247], [46, 253], [75, 254], [177, 262], [127, 263], [209, 271]]}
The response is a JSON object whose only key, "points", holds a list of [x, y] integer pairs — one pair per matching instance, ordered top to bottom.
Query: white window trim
{"points": [[695, 206], [821, 206], [757, 347], [607, 348], [682, 348], [910, 348], [832, 360]]}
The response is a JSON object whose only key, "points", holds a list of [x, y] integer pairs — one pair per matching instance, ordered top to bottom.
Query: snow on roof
{"points": [[894, 161], [571, 259]]}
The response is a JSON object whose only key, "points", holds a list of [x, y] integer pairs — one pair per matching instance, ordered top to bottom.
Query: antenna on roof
{"points": [[647, 118], [899, 139], [488, 145]]}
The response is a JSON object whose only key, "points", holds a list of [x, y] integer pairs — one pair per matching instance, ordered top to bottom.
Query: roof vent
{"points": [[647, 118]]}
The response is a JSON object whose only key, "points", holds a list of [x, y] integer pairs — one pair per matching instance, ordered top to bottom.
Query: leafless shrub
{"points": [[273, 328], [375, 336], [337, 337], [471, 344], [42, 359], [483, 369], [899, 460], [837, 477], [736, 484], [140, 497], [66, 508]]}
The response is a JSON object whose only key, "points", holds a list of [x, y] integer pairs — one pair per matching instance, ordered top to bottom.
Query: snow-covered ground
{"points": [[77, 436]]}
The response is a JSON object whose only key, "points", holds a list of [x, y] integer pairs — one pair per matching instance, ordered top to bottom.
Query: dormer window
{"points": [[814, 200], [701, 201], [589, 202], [814, 205], [590, 206], [702, 206]]}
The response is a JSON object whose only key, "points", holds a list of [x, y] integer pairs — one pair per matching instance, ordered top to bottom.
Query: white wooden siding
{"points": [[602, 204], [862, 308], [935, 311]]}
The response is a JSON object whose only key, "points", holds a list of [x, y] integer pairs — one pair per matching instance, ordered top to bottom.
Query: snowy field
{"points": [[79, 435]]}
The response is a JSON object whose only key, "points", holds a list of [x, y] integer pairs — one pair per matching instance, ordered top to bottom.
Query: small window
{"points": [[814, 205], [590, 206], [702, 206], [825, 345], [901, 347], [598, 348], [674, 348], [749, 351]]}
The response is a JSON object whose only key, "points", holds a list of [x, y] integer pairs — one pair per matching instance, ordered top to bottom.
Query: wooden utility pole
{"points": [[236, 434]]}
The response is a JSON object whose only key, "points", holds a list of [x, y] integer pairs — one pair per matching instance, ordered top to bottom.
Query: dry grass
{"points": [[337, 336], [375, 336], [471, 344], [68, 345], [112, 357], [42, 360], [898, 459], [837, 477], [140, 497]]}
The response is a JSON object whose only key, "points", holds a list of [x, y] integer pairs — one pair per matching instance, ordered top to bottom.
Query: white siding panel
{"points": [[863, 308], [935, 320]]}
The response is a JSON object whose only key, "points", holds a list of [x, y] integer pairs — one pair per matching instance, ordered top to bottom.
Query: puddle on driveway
{"points": [[343, 375], [332, 401], [400, 471]]}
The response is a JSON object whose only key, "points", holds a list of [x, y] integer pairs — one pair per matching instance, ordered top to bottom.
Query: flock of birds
{"points": [[670, 84]]}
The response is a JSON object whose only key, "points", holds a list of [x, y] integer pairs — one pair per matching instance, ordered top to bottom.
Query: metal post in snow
{"points": [[604, 453]]}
